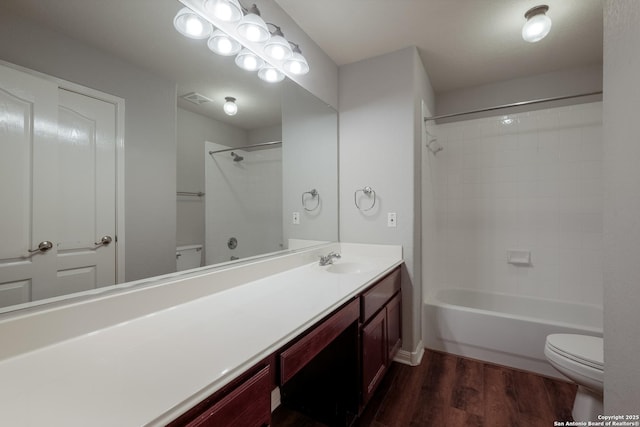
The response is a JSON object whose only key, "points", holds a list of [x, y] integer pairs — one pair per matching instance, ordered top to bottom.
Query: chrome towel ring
{"points": [[367, 191], [314, 195]]}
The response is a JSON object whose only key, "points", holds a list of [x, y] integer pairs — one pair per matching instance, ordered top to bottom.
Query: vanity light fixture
{"points": [[224, 10], [538, 24], [191, 25], [252, 27], [242, 32], [222, 44], [277, 47], [248, 60], [296, 63], [270, 74], [230, 107]]}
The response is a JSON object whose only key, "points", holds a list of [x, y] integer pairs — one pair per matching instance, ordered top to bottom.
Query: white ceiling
{"points": [[462, 43]]}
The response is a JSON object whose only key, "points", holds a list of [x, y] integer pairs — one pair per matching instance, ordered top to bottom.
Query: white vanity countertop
{"points": [[150, 369]]}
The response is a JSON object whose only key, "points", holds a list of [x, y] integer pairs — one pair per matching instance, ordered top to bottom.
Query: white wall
{"points": [[379, 116], [150, 129], [193, 130], [309, 161], [532, 182], [622, 206]]}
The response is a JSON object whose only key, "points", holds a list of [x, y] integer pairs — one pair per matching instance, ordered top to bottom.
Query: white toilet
{"points": [[188, 257], [580, 358]]}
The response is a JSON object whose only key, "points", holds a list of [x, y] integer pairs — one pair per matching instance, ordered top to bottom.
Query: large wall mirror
{"points": [[191, 177]]}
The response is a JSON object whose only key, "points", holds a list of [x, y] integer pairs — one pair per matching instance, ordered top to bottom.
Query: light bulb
{"points": [[224, 10], [538, 24], [191, 25], [253, 28], [222, 44], [278, 48], [247, 60], [296, 64], [270, 74], [230, 107]]}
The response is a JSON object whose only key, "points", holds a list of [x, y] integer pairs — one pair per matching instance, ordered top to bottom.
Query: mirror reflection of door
{"points": [[57, 192]]}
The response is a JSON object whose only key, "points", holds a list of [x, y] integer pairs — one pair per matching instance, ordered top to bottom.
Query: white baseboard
{"points": [[411, 358]]}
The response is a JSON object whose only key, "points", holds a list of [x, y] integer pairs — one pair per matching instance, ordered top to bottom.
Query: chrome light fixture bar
{"points": [[242, 32]]}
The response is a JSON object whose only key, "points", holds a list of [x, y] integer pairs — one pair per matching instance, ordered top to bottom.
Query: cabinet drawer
{"points": [[376, 297], [293, 359], [248, 405]]}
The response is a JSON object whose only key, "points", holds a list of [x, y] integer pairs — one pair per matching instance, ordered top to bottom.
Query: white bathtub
{"points": [[504, 329]]}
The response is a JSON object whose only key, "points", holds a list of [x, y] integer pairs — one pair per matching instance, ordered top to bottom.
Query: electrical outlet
{"points": [[296, 218], [391, 219]]}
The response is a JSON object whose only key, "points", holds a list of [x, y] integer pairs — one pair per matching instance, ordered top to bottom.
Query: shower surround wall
{"points": [[530, 181], [244, 201]]}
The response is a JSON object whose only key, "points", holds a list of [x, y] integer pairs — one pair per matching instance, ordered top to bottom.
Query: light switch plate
{"points": [[296, 218]]}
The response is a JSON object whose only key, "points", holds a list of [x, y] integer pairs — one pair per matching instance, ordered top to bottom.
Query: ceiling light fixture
{"points": [[538, 24], [191, 25], [242, 32], [230, 107]]}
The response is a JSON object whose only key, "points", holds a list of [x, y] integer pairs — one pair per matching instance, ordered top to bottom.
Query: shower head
{"points": [[236, 158]]}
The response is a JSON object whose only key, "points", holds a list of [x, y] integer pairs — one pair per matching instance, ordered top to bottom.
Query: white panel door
{"points": [[28, 158], [57, 164], [86, 196]]}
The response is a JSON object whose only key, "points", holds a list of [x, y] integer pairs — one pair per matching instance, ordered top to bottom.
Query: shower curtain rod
{"points": [[515, 104], [261, 144]]}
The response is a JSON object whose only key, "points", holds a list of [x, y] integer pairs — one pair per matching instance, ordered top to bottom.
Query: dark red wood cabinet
{"points": [[381, 331], [329, 372], [245, 402]]}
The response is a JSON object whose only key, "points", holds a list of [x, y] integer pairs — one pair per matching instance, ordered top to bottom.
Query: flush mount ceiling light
{"points": [[224, 10], [538, 24], [191, 25], [242, 32], [222, 44], [230, 107]]}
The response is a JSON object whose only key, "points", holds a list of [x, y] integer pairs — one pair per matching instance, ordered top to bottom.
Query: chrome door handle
{"points": [[104, 241], [44, 246]]}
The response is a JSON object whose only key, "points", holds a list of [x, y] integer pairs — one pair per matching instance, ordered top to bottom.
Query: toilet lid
{"points": [[581, 348]]}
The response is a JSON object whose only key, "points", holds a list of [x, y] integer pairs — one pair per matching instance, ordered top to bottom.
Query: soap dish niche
{"points": [[519, 257]]}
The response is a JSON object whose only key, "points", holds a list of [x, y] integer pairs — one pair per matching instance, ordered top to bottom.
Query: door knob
{"points": [[104, 241], [44, 246]]}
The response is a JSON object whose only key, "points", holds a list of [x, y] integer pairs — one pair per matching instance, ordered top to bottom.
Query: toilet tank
{"points": [[188, 257]]}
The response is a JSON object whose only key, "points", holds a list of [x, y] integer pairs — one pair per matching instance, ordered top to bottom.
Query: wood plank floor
{"points": [[446, 390]]}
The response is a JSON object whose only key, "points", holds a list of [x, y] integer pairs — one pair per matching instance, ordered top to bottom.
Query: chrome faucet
{"points": [[328, 259]]}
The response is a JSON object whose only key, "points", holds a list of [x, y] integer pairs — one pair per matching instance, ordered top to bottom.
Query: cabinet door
{"points": [[394, 325], [374, 353], [249, 405]]}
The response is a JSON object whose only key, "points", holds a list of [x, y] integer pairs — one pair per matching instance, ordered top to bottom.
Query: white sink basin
{"points": [[349, 267]]}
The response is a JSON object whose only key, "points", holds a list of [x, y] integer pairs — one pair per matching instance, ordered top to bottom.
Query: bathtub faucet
{"points": [[328, 259]]}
